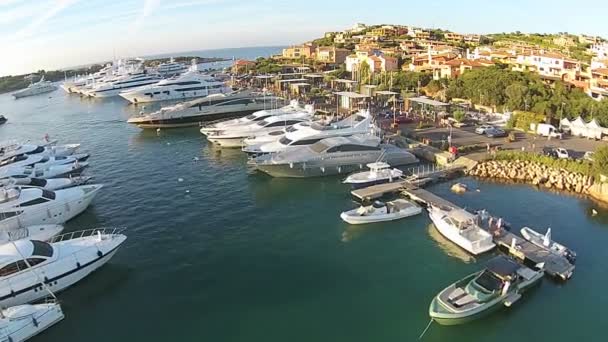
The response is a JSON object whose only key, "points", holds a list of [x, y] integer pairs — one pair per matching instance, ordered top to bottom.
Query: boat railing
{"points": [[86, 233]]}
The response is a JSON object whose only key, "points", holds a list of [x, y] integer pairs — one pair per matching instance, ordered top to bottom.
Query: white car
{"points": [[483, 128], [562, 153], [588, 156]]}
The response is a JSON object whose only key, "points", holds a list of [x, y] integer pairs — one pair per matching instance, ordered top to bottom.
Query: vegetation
{"points": [[325, 41], [266, 66], [12, 83], [459, 115], [523, 120], [600, 160], [580, 166]]}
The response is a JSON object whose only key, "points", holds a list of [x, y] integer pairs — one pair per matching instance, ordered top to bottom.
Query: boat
{"points": [[171, 68], [114, 72], [124, 83], [191, 84], [75, 85], [39, 87], [293, 107], [209, 108], [3, 119], [305, 134], [233, 136], [12, 149], [331, 156], [39, 161], [47, 172], [379, 173], [47, 184], [35, 206], [381, 212], [460, 227], [43, 232], [545, 242], [60, 263], [500, 284], [22, 322]]}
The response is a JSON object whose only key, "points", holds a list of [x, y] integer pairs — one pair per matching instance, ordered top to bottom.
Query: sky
{"points": [[53, 34]]}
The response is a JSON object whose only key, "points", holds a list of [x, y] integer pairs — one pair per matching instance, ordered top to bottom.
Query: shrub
{"points": [[459, 115], [600, 160]]}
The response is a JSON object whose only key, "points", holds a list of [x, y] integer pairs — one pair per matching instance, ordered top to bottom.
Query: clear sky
{"points": [[50, 34]]}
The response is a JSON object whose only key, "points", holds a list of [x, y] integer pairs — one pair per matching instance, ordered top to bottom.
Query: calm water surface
{"points": [[230, 255]]}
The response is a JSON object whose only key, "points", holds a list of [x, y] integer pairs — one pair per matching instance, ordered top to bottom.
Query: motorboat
{"points": [[171, 68], [124, 83], [190, 84], [39, 87], [209, 108], [291, 108], [3, 119], [306, 134], [233, 136], [261, 139], [51, 150], [331, 156], [40, 161], [47, 172], [378, 173], [47, 184], [35, 206], [381, 212], [460, 227], [43, 232], [545, 242], [26, 266], [500, 284], [22, 322]]}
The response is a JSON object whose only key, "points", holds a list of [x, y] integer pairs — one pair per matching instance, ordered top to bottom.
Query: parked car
{"points": [[483, 128], [495, 133], [549, 151], [562, 153], [589, 156]]}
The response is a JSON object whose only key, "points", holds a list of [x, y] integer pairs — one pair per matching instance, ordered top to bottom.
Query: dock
{"points": [[532, 255]]}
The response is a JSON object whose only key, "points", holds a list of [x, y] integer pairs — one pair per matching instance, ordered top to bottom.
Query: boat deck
{"points": [[531, 254]]}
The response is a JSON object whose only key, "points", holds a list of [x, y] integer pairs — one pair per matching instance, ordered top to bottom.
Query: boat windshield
{"points": [[263, 123], [291, 129], [277, 132], [285, 141], [319, 147], [488, 282]]}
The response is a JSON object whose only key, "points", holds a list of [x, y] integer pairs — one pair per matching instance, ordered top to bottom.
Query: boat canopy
{"points": [[502, 266]]}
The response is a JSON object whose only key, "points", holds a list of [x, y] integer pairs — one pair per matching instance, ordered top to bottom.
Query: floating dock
{"points": [[531, 255]]}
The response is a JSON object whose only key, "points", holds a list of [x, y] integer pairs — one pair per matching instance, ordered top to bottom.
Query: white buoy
{"points": [[158, 131], [195, 159], [180, 179], [593, 212]]}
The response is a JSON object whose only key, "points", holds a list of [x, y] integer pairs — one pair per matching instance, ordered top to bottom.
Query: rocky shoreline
{"points": [[536, 174]]}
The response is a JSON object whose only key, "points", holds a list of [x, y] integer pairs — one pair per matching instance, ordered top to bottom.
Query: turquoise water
{"points": [[231, 255]]}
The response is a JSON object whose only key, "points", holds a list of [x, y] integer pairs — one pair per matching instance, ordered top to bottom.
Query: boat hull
{"points": [[189, 121], [351, 217], [451, 234], [25, 328]]}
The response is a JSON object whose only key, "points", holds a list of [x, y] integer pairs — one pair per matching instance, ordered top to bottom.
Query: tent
{"points": [[580, 128]]}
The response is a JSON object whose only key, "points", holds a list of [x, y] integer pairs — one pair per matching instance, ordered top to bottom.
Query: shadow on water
{"points": [[447, 246]]}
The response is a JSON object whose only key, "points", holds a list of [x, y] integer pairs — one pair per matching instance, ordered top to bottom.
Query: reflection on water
{"points": [[218, 156], [448, 246]]}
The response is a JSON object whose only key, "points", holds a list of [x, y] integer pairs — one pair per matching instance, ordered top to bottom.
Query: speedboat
{"points": [[131, 81], [190, 84], [39, 87], [209, 108], [291, 108], [305, 134], [233, 136], [49, 150], [331, 156], [40, 161], [47, 172], [379, 173], [46, 184], [37, 206], [380, 212], [460, 227], [43, 232], [545, 242], [59, 263], [500, 284], [22, 322]]}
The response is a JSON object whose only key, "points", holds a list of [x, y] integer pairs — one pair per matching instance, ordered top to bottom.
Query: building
{"points": [[356, 28], [384, 31], [419, 34], [453, 37], [341, 38], [474, 39], [585, 39], [565, 41], [599, 50], [299, 51], [331, 54], [376, 61], [549, 65], [241, 66], [458, 66], [598, 85]]}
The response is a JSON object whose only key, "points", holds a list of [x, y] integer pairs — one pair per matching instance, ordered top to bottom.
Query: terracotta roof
{"points": [[243, 62], [600, 71]]}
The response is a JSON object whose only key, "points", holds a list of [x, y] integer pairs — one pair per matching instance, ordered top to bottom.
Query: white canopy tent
{"points": [[578, 127]]}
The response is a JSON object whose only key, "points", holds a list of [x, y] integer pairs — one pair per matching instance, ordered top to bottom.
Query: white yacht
{"points": [[171, 68], [77, 83], [123, 84], [188, 85], [39, 87], [293, 107], [209, 108], [305, 134], [233, 136], [15, 149], [331, 156], [39, 161], [55, 171], [378, 173], [46, 184], [35, 206], [381, 212], [460, 227], [45, 232], [27, 265], [22, 322]]}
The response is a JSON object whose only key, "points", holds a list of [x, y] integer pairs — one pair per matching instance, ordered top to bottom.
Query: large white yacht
{"points": [[171, 68], [124, 83], [75, 85], [188, 85], [39, 87], [209, 108], [305, 134], [233, 136], [12, 149], [331, 156], [39, 161], [55, 171], [46, 184], [35, 206], [460, 227], [26, 266], [20, 323]]}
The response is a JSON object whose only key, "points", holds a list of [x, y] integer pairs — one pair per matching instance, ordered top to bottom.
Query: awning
{"points": [[341, 80], [386, 92], [351, 95], [428, 101]]}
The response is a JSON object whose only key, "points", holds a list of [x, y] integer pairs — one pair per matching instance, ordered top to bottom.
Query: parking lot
{"points": [[466, 136]]}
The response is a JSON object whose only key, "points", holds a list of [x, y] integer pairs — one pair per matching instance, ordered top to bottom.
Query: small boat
{"points": [[3, 119], [379, 173], [47, 184], [380, 212], [460, 227], [43, 232], [544, 241], [501, 283], [22, 322]]}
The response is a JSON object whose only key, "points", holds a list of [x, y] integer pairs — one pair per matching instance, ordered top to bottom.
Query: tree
{"points": [[364, 73], [459, 115], [600, 160]]}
